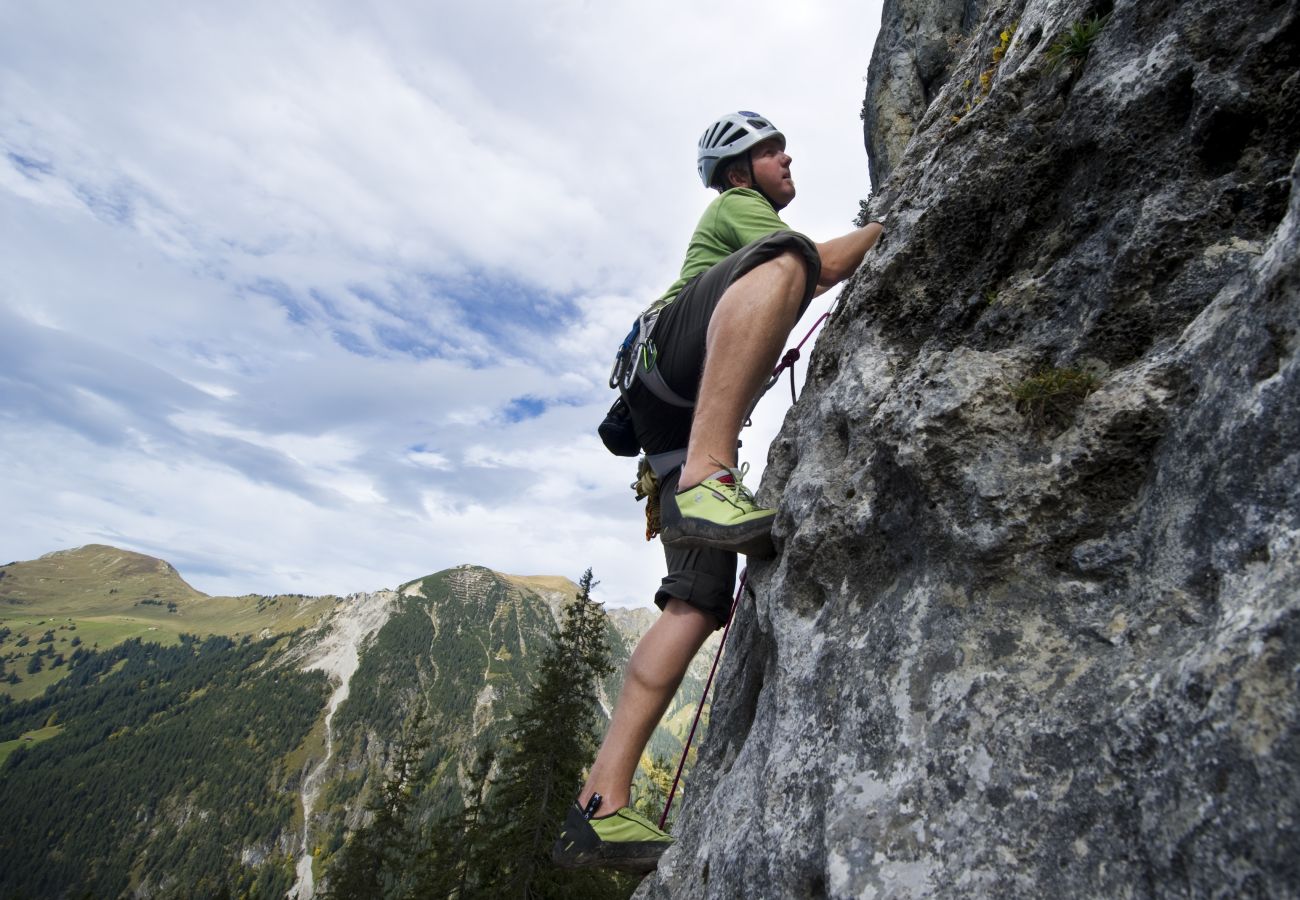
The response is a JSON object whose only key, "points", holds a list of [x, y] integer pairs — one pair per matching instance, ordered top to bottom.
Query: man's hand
{"points": [[841, 256]]}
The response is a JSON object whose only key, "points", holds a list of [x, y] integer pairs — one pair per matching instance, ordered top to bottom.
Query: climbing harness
{"points": [[638, 357], [617, 432], [703, 697]]}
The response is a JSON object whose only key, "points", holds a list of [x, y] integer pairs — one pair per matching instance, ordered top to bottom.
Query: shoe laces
{"points": [[742, 494]]}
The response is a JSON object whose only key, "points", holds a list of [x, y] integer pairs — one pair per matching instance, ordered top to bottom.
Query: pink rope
{"points": [[792, 356], [787, 362], [704, 696]]}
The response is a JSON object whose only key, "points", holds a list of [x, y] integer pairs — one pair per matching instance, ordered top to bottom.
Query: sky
{"points": [[322, 297]]}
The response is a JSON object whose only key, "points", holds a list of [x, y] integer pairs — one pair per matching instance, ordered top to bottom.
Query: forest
{"points": [[167, 768], [496, 841]]}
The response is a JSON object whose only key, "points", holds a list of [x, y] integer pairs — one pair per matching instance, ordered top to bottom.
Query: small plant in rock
{"points": [[1004, 41], [1074, 44], [985, 79], [864, 213], [1049, 397]]}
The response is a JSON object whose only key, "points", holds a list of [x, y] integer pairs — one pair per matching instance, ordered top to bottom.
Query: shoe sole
{"points": [[754, 540], [579, 847], [641, 861]]}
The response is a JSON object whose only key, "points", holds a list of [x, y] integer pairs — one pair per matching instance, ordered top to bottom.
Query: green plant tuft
{"points": [[1074, 44], [864, 213], [1049, 397]]}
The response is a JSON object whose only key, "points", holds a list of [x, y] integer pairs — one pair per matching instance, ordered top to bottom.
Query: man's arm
{"points": [[841, 256]]}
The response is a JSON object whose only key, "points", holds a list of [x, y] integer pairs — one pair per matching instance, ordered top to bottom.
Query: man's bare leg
{"points": [[749, 326], [653, 674]]}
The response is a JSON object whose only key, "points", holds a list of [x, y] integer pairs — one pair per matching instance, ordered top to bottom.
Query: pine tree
{"points": [[551, 742], [652, 787], [455, 853], [374, 861]]}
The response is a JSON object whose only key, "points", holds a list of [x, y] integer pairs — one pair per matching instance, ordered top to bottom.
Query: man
{"points": [[720, 328]]}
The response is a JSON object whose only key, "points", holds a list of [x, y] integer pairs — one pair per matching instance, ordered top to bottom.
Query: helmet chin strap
{"points": [[753, 182]]}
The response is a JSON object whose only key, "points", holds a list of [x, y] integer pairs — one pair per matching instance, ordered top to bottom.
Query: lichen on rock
{"points": [[998, 659]]}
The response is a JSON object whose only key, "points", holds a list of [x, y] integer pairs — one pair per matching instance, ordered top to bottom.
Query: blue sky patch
{"points": [[28, 166], [111, 206], [282, 294], [501, 308], [410, 339], [352, 343], [521, 409]]}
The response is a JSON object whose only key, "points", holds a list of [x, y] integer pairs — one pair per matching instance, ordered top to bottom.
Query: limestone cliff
{"points": [[918, 43], [1033, 628]]}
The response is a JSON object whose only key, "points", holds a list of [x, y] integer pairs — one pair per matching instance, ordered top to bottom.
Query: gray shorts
{"points": [[703, 578]]}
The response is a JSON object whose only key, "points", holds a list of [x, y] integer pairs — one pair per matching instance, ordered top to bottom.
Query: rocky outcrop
{"points": [[918, 43], [1034, 624]]}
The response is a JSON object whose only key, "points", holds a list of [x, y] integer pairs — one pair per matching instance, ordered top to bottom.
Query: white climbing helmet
{"points": [[729, 136]]}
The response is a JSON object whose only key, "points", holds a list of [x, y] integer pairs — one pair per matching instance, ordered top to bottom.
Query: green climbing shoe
{"points": [[719, 512], [623, 840]]}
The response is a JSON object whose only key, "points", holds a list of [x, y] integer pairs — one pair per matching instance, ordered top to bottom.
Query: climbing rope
{"points": [[792, 356], [787, 362], [703, 697]]}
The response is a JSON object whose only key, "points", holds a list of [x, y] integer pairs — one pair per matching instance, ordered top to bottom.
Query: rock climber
{"points": [[715, 336]]}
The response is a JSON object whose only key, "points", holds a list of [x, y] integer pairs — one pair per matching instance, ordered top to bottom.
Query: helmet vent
{"points": [[730, 136]]}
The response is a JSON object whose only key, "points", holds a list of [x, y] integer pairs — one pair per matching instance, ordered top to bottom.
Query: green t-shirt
{"points": [[735, 218]]}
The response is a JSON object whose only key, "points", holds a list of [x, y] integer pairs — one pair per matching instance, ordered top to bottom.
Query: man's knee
{"points": [[791, 266], [786, 274], [650, 673]]}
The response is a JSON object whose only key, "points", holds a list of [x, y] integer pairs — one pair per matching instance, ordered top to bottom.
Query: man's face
{"points": [[772, 171]]}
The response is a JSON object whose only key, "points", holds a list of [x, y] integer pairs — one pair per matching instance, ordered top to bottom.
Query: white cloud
{"points": [[279, 281]]}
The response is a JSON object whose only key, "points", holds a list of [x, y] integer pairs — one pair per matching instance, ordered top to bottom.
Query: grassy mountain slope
{"points": [[91, 580], [100, 596]]}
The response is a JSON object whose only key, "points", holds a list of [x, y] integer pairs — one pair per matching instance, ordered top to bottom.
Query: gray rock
{"points": [[917, 45], [1018, 653]]}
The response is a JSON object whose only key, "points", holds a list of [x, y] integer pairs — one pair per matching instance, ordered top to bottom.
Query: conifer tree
{"points": [[551, 742], [652, 787], [374, 861], [450, 864]]}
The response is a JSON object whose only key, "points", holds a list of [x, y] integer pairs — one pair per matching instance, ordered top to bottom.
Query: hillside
{"points": [[91, 579], [99, 596], [1033, 627]]}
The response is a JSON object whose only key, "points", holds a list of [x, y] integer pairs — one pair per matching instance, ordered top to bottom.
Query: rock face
{"points": [[918, 43], [1033, 628]]}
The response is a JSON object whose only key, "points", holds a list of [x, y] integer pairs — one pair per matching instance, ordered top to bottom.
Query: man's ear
{"points": [[738, 176]]}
